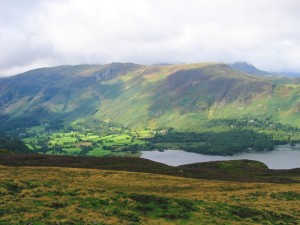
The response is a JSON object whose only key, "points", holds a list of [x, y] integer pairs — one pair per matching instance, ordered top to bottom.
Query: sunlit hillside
{"points": [[180, 96]]}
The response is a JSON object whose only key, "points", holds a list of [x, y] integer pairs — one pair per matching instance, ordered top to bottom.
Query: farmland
{"points": [[93, 137], [85, 143]]}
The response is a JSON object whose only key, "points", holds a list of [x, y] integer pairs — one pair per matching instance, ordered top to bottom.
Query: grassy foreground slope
{"points": [[31, 195]]}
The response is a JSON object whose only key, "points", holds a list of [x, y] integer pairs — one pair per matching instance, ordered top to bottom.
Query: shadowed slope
{"points": [[236, 170]]}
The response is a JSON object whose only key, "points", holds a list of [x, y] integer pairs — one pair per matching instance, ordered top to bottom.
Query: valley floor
{"points": [[44, 195]]}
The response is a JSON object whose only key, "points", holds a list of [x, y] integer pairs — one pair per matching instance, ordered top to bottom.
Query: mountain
{"points": [[249, 68], [289, 74], [64, 92], [181, 96]]}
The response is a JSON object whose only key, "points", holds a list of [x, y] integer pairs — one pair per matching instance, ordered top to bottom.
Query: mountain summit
{"points": [[248, 68]]}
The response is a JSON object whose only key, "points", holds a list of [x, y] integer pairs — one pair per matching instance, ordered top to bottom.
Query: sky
{"points": [[42, 33]]}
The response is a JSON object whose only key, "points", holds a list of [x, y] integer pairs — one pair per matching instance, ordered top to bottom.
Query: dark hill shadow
{"points": [[236, 170]]}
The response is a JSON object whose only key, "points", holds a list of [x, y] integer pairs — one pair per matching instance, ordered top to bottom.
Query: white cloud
{"points": [[55, 32]]}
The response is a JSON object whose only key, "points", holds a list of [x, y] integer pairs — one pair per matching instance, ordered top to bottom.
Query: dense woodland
{"points": [[230, 136], [217, 143], [10, 144]]}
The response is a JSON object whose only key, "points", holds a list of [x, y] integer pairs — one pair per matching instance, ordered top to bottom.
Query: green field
{"points": [[85, 143]]}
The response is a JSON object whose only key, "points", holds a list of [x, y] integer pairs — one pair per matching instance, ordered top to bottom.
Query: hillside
{"points": [[48, 94], [180, 96], [46, 195]]}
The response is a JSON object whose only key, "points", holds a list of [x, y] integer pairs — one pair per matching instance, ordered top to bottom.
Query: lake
{"points": [[283, 157]]}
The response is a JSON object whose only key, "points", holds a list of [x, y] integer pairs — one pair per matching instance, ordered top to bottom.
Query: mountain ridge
{"points": [[179, 96]]}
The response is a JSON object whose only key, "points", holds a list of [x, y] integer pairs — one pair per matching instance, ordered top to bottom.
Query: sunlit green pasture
{"points": [[87, 143]]}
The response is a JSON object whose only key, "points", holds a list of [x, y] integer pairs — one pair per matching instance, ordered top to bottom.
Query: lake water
{"points": [[283, 157]]}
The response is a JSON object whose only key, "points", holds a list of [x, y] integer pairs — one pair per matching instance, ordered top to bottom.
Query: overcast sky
{"points": [[39, 33]]}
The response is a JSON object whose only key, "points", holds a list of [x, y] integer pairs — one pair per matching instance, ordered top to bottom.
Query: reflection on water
{"points": [[283, 157]]}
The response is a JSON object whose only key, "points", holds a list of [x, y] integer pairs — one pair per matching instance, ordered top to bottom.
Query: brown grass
{"points": [[52, 195]]}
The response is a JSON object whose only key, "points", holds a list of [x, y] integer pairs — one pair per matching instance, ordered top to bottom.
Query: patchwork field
{"points": [[85, 143]]}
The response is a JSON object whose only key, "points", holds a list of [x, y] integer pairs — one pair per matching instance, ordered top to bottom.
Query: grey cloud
{"points": [[51, 32]]}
